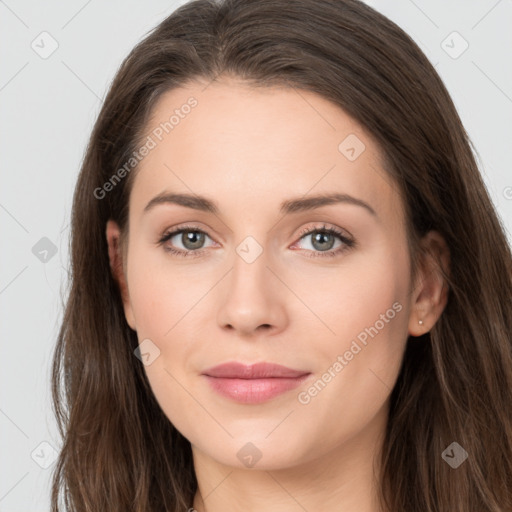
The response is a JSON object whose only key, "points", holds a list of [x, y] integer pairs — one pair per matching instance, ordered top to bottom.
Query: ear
{"points": [[116, 266], [430, 293]]}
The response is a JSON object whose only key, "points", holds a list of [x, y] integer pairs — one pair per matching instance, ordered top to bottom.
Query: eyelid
{"points": [[325, 226]]}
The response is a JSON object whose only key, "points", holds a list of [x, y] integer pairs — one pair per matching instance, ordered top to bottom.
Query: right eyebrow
{"points": [[188, 200]]}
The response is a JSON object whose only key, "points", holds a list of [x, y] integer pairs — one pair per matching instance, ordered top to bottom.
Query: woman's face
{"points": [[258, 280]]}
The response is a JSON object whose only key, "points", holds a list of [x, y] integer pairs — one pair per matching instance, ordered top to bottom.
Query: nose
{"points": [[252, 298]]}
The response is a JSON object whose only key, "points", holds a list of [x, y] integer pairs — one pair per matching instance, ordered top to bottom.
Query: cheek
{"points": [[161, 294], [163, 299], [351, 300], [170, 303], [367, 311], [370, 319], [357, 367]]}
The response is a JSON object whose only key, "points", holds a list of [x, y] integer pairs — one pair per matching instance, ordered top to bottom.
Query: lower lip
{"points": [[254, 391]]}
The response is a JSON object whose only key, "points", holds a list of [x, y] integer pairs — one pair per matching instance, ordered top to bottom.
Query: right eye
{"points": [[191, 237]]}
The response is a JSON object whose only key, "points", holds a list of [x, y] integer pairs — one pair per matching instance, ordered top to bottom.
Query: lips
{"points": [[234, 370], [253, 384]]}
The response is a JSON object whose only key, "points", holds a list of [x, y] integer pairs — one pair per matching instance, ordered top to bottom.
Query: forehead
{"points": [[242, 143]]}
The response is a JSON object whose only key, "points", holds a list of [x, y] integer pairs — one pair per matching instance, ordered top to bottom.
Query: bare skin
{"points": [[249, 150]]}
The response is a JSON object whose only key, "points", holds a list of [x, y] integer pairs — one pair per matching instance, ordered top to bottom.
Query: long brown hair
{"points": [[120, 452]]}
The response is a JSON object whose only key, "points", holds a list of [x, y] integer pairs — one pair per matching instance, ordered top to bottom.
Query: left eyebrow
{"points": [[313, 202], [290, 206]]}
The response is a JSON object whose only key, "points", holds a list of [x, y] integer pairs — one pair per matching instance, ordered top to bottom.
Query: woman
{"points": [[214, 354]]}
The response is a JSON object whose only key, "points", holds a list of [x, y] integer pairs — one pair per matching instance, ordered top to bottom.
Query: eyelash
{"points": [[348, 243]]}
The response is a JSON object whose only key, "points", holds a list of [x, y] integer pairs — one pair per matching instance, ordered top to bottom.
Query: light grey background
{"points": [[48, 106]]}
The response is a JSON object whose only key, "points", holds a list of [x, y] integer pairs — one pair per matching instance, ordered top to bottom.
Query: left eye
{"points": [[320, 240], [323, 240]]}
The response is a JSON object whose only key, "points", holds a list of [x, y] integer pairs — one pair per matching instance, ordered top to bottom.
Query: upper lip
{"points": [[235, 370]]}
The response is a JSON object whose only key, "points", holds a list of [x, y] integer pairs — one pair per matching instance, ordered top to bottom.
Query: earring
{"points": [[420, 322]]}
